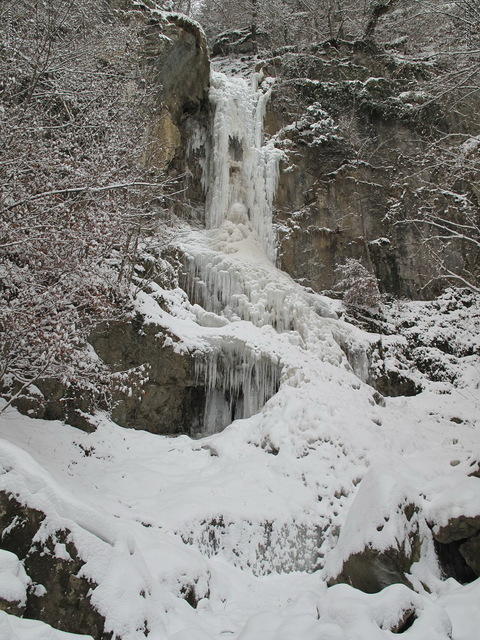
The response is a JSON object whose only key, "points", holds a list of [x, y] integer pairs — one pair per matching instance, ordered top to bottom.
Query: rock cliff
{"points": [[355, 122]]}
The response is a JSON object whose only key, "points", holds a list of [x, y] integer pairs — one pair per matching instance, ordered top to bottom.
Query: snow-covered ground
{"points": [[140, 508], [249, 516]]}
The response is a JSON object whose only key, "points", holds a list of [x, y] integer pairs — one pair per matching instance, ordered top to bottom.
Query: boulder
{"points": [[172, 401], [454, 517], [382, 535], [457, 545], [371, 570], [54, 591]]}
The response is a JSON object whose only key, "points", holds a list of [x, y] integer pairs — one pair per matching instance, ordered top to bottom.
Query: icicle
{"points": [[220, 285], [238, 382]]}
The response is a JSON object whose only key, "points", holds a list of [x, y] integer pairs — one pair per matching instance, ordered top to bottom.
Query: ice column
{"points": [[242, 172], [238, 382]]}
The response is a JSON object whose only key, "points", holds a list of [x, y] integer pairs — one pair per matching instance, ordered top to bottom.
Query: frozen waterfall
{"points": [[242, 172], [240, 176], [230, 273]]}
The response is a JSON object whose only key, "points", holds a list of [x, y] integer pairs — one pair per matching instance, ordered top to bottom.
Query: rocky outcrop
{"points": [[240, 42], [175, 60], [175, 63], [353, 122], [428, 341], [49, 399], [171, 401], [458, 529], [382, 535], [470, 550], [372, 570], [57, 594]]}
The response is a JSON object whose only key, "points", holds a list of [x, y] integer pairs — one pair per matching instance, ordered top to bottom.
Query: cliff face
{"points": [[176, 66], [177, 69], [357, 125], [172, 400]]}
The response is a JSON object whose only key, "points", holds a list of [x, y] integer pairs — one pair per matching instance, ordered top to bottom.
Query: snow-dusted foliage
{"points": [[287, 22], [402, 24], [316, 126], [72, 206], [445, 214], [359, 286]]}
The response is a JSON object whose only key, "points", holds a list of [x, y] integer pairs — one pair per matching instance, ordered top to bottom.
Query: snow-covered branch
{"points": [[73, 192]]}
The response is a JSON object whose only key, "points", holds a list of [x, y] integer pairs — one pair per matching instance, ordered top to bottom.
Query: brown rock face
{"points": [[177, 71], [173, 401], [58, 402], [458, 529], [13, 608]]}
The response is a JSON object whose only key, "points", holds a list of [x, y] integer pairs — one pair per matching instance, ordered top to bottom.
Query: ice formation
{"points": [[242, 173], [240, 177], [239, 381]]}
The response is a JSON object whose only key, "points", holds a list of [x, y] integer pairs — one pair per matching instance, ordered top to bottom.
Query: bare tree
{"points": [[377, 9], [295, 21], [439, 202]]}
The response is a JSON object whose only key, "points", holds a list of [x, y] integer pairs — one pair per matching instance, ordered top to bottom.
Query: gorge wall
{"points": [[358, 124]]}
